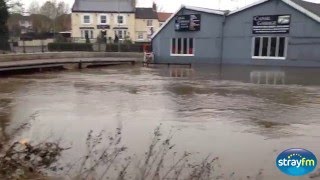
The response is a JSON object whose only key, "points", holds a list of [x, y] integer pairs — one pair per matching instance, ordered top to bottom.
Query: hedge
{"points": [[70, 47]]}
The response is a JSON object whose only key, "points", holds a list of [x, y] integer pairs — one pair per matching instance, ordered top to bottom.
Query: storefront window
{"points": [[87, 33], [122, 34], [173, 46], [179, 46], [182, 46], [256, 46], [273, 46], [269, 47]]}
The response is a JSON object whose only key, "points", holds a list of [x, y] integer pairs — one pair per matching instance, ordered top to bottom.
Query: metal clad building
{"points": [[269, 32]]}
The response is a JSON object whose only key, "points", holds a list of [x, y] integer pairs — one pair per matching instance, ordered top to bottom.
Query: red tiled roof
{"points": [[162, 16]]}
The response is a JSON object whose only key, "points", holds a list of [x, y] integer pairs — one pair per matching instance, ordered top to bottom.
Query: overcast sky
{"points": [[173, 5]]}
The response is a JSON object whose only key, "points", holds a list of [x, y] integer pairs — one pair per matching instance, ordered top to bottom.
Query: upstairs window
{"points": [[86, 19], [103, 19], [120, 19], [149, 22], [182, 46], [269, 47]]}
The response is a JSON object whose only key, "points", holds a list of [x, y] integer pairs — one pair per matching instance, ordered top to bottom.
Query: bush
{"points": [[70, 47]]}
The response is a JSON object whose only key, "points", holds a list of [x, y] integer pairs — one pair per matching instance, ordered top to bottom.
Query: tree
{"points": [[14, 6], [34, 7], [49, 9], [52, 9], [41, 23], [4, 34]]}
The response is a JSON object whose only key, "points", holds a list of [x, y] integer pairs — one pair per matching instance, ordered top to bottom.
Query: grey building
{"points": [[269, 32]]}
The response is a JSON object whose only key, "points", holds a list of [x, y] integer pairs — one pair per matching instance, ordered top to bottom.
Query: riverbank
{"points": [[67, 55]]}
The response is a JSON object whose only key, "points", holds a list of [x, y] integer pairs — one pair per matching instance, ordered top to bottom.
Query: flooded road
{"points": [[245, 116]]}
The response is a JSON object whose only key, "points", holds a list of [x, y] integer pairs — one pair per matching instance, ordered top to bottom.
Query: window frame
{"points": [[107, 19], [123, 19], [83, 20], [149, 20], [90, 33], [124, 33], [142, 35], [182, 46], [276, 57]]}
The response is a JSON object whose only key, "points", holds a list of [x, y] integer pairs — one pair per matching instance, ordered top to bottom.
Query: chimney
{"points": [[154, 7]]}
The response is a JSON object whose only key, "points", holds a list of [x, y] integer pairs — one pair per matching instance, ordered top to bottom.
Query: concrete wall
{"points": [[76, 22], [304, 37], [207, 41], [35, 42], [63, 55]]}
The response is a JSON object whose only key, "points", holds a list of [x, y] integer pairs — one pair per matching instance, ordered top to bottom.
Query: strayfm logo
{"points": [[296, 162]]}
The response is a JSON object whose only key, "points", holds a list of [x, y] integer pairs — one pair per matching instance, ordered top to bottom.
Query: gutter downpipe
{"points": [[222, 38]]}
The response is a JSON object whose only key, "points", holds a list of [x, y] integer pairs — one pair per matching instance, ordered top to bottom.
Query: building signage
{"points": [[190, 22], [271, 24], [103, 26], [86, 27]]}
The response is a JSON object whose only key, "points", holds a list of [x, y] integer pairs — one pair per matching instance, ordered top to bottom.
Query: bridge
{"points": [[41, 64]]}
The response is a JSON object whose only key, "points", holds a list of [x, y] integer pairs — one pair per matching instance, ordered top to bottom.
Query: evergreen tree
{"points": [[4, 34]]}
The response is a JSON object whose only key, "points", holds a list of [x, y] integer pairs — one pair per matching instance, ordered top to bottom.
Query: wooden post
{"points": [[80, 65]]}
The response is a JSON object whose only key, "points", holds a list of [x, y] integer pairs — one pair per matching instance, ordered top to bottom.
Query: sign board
{"points": [[191, 22], [271, 24], [103, 26], [86, 27]]}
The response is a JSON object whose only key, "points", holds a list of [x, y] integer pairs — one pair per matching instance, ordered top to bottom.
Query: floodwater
{"points": [[245, 116]]}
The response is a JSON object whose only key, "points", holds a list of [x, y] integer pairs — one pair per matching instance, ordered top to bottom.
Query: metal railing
{"points": [[17, 45]]}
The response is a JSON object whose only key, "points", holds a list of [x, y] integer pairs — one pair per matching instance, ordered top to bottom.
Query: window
{"points": [[86, 19], [103, 19], [120, 19], [149, 22], [87, 33], [121, 33], [140, 35], [182, 46], [269, 47]]}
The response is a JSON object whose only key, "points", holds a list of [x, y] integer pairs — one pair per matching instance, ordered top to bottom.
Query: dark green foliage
{"points": [[4, 34], [60, 39], [70, 47], [124, 48]]}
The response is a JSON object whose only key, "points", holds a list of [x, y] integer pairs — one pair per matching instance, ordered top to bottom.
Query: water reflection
{"points": [[181, 72], [268, 77], [255, 109]]}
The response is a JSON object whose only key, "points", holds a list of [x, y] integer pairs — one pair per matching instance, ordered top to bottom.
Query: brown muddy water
{"points": [[245, 116]]}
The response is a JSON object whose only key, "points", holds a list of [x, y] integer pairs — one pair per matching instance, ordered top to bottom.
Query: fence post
{"points": [[24, 46], [42, 46]]}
